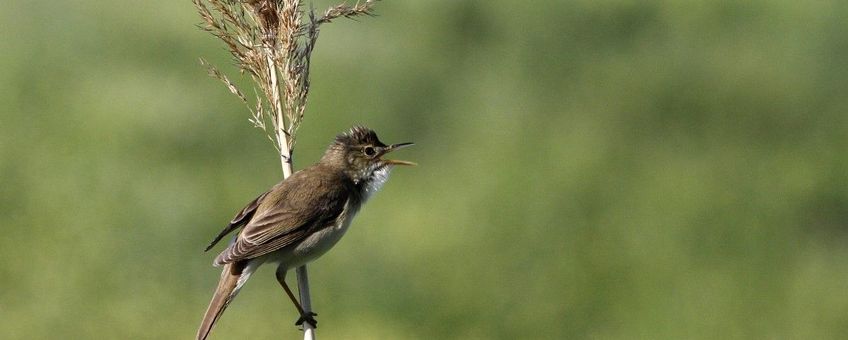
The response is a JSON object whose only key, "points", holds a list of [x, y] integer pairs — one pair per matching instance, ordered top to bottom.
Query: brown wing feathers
{"points": [[288, 213], [239, 220]]}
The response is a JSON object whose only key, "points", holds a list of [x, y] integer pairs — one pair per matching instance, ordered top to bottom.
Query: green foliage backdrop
{"points": [[588, 169]]}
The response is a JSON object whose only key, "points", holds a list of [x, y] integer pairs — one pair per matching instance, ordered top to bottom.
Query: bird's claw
{"points": [[308, 317]]}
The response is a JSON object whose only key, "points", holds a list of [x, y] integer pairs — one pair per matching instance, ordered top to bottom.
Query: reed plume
{"points": [[272, 42]]}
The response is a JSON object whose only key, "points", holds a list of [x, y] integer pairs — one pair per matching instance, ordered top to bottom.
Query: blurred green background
{"points": [[588, 169]]}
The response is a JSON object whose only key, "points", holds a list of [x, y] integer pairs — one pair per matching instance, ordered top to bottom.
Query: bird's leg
{"points": [[304, 316]]}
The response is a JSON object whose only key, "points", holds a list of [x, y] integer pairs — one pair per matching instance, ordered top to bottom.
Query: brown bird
{"points": [[301, 218]]}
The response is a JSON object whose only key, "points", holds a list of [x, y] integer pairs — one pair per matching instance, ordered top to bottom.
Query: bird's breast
{"points": [[317, 243]]}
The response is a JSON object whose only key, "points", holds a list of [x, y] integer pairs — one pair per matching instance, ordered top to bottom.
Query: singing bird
{"points": [[301, 218]]}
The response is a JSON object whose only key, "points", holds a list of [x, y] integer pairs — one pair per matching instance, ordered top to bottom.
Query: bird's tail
{"points": [[233, 276]]}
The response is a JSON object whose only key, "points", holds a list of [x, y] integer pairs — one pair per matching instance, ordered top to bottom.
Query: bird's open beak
{"points": [[394, 147]]}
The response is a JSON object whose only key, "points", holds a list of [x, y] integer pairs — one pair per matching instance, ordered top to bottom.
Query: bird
{"points": [[300, 218]]}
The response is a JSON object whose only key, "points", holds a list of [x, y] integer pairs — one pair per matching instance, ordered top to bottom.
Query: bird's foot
{"points": [[308, 317]]}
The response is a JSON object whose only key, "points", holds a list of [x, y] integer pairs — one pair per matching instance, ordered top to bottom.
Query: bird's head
{"points": [[359, 153]]}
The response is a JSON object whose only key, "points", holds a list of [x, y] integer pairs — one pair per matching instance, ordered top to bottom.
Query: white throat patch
{"points": [[378, 178]]}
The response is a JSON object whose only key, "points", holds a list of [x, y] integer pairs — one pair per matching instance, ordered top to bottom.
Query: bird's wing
{"points": [[307, 201], [239, 220]]}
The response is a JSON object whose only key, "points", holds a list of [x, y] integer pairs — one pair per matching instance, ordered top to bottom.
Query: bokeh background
{"points": [[588, 169]]}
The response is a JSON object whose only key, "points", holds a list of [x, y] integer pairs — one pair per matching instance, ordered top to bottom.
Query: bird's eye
{"points": [[369, 151]]}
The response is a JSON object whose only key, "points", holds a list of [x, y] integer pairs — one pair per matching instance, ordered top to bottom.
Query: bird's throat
{"points": [[373, 183]]}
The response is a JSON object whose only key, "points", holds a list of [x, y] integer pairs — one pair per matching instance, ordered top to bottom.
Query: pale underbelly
{"points": [[311, 248]]}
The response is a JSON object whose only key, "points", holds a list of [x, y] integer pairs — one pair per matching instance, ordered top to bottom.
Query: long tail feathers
{"points": [[228, 287]]}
